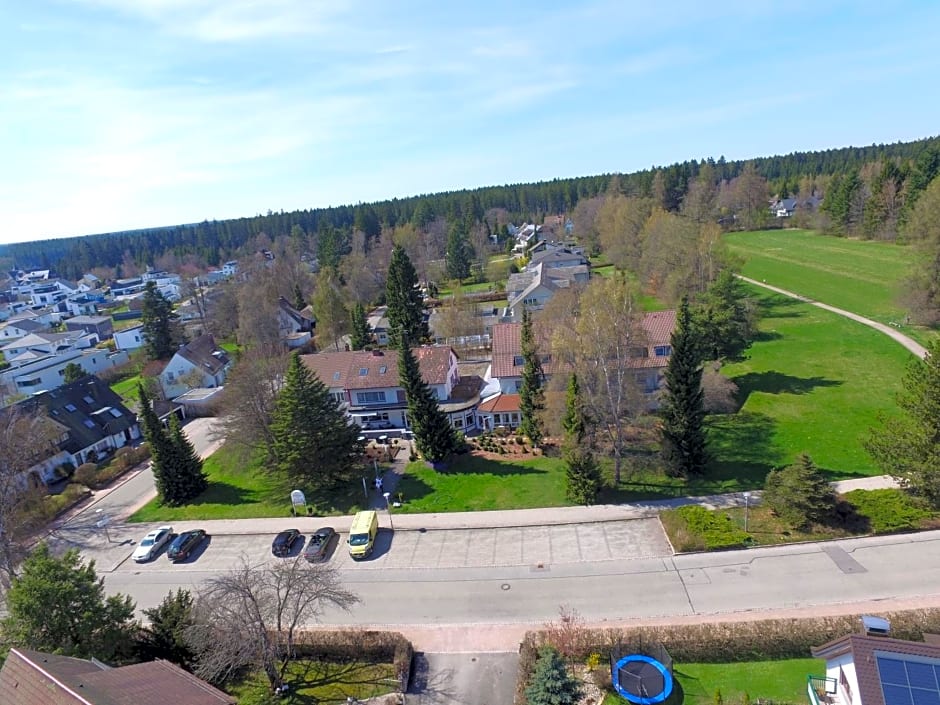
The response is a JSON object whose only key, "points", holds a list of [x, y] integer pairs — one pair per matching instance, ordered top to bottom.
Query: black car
{"points": [[284, 541], [184, 544], [319, 544]]}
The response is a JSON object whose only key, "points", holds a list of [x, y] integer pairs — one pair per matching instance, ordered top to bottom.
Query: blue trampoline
{"points": [[641, 679]]}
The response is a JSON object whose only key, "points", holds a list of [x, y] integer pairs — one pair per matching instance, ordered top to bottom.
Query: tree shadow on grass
{"points": [[773, 382], [742, 451], [476, 465], [224, 493], [313, 682]]}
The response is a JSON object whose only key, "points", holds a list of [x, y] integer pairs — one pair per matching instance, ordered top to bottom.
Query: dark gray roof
{"points": [[204, 354]]}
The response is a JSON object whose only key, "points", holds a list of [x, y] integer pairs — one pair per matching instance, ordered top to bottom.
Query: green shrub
{"points": [[87, 474], [799, 494], [54, 504], [888, 510], [714, 529]]}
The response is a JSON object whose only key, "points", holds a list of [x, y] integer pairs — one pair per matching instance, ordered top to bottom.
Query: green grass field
{"points": [[857, 275], [812, 382], [127, 388], [239, 492], [780, 681], [321, 683]]}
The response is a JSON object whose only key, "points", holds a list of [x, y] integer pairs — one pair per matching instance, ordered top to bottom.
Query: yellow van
{"points": [[362, 534]]}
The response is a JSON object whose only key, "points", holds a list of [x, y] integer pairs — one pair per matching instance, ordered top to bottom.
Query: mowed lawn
{"points": [[861, 276], [813, 382], [779, 681]]}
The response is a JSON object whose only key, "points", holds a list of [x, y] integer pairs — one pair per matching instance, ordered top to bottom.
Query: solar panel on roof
{"points": [[908, 682]]}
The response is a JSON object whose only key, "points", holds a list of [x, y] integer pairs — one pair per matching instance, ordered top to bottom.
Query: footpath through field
{"points": [[896, 335]]}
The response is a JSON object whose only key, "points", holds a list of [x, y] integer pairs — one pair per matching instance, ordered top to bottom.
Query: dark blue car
{"points": [[184, 544]]}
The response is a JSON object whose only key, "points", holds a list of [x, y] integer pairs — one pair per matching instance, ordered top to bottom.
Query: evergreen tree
{"points": [[329, 246], [459, 253], [299, 302], [405, 307], [725, 322], [159, 324], [361, 333], [531, 393], [683, 412], [575, 421], [434, 437], [313, 441], [907, 446], [161, 447], [187, 465], [582, 476], [799, 494], [58, 605], [164, 637], [551, 683]]}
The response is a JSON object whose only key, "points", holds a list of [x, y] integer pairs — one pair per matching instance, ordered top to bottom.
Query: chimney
{"points": [[377, 353], [875, 626]]}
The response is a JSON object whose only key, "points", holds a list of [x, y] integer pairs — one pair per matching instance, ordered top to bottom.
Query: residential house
{"points": [[787, 207], [525, 236], [551, 257], [230, 268], [88, 282], [536, 285], [123, 288], [51, 292], [81, 305], [378, 323], [21, 325], [101, 326], [295, 327], [130, 338], [47, 344], [199, 363], [366, 384], [501, 407], [90, 421], [871, 668], [35, 678]]}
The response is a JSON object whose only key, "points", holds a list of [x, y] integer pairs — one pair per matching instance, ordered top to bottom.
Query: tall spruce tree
{"points": [[459, 253], [405, 307], [724, 319], [159, 324], [361, 333], [531, 392], [575, 421], [683, 435], [434, 437], [313, 441], [161, 448], [187, 465], [582, 474]]}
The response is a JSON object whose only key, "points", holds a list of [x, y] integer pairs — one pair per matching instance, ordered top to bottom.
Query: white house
{"points": [[230, 268], [535, 286], [21, 326], [294, 326], [130, 338], [47, 344], [199, 363], [34, 371]]}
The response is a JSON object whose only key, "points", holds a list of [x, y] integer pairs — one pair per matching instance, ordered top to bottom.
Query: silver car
{"points": [[151, 544]]}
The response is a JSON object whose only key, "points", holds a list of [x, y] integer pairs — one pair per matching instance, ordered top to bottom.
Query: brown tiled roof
{"points": [[507, 344], [363, 369], [501, 403], [862, 649], [34, 678]]}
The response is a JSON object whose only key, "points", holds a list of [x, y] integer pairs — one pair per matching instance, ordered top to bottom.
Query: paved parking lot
{"points": [[453, 548]]}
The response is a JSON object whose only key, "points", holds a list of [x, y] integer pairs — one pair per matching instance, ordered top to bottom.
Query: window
{"points": [[663, 350], [639, 352], [545, 359], [518, 360], [383, 369], [363, 371], [336, 376], [338, 396], [371, 397], [88, 399], [70, 407], [114, 412], [89, 423]]}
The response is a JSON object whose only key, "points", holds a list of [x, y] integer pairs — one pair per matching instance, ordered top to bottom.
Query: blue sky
{"points": [[121, 114]]}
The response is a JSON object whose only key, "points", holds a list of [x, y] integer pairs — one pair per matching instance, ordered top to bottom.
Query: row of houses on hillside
{"points": [[366, 382]]}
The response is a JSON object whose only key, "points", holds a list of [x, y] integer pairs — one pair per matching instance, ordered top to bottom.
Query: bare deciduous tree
{"points": [[619, 224], [26, 436], [252, 616]]}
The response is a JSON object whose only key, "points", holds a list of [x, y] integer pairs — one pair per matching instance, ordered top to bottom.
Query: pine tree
{"points": [[459, 253], [299, 302], [405, 307], [724, 320], [159, 324], [361, 333], [72, 372], [531, 393], [574, 422], [683, 435], [434, 436], [313, 441], [907, 446], [161, 448], [187, 465], [582, 476], [799, 494], [164, 636], [551, 683]]}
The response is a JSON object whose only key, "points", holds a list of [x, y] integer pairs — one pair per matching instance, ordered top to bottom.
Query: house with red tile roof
{"points": [[366, 383], [502, 407], [875, 669], [35, 678]]}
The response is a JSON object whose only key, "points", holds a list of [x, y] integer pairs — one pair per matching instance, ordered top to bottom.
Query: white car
{"points": [[151, 544]]}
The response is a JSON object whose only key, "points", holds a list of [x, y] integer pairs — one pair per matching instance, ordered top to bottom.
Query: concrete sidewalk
{"points": [[547, 516]]}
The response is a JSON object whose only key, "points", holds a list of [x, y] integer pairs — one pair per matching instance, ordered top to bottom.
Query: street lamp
{"points": [[747, 497], [388, 508]]}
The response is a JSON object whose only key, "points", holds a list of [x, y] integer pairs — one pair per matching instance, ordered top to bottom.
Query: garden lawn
{"points": [[862, 276], [813, 382], [127, 388], [473, 484], [240, 491], [780, 681], [321, 683]]}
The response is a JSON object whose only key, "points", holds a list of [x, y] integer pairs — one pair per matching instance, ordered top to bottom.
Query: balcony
{"points": [[822, 690]]}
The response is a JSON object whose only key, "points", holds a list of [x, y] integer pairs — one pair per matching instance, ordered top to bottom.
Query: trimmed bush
{"points": [[87, 474], [888, 510], [705, 529]]}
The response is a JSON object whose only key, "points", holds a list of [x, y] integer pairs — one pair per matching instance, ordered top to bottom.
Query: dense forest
{"points": [[868, 190]]}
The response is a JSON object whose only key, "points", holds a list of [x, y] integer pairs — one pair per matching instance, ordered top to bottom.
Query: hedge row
{"points": [[124, 459], [723, 642], [356, 645]]}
